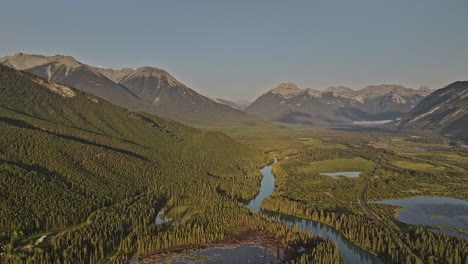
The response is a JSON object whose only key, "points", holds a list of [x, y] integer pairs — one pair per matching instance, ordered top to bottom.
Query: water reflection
{"points": [[349, 174], [267, 186], [432, 211], [349, 252], [227, 255]]}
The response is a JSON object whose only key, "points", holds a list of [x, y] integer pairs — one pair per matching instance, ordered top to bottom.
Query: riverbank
{"points": [[253, 238], [350, 252]]}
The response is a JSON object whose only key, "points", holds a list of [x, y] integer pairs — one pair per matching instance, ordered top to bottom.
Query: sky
{"points": [[240, 49]]}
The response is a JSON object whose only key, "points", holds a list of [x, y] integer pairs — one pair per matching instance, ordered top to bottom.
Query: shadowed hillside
{"points": [[146, 89], [445, 112], [92, 176]]}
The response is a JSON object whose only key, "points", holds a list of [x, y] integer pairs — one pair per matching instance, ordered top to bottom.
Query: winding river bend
{"points": [[349, 252]]}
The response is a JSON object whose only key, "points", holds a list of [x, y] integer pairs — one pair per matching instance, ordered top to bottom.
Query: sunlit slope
{"points": [[146, 89], [287, 103], [445, 111], [67, 155]]}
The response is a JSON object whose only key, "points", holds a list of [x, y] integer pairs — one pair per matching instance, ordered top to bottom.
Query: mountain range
{"points": [[146, 88], [154, 90], [290, 104], [444, 112]]}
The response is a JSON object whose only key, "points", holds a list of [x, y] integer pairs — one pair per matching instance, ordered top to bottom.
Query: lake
{"points": [[432, 211]]}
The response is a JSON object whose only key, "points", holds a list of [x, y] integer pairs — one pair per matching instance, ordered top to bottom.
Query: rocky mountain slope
{"points": [[146, 88], [238, 104], [290, 104], [445, 111]]}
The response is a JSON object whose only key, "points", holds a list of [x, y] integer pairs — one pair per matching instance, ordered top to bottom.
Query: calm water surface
{"points": [[349, 174], [267, 186], [433, 211], [349, 252], [250, 254], [227, 255]]}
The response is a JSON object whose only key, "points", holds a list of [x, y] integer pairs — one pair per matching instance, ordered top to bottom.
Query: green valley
{"points": [[230, 132], [83, 180], [86, 181]]}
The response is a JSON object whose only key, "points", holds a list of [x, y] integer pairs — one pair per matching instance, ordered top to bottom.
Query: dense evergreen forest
{"points": [[84, 181], [302, 191]]}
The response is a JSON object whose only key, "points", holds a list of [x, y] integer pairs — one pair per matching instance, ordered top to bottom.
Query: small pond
{"points": [[349, 174], [160, 219]]}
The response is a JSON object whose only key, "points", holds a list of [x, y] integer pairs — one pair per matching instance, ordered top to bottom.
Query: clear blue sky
{"points": [[239, 49]]}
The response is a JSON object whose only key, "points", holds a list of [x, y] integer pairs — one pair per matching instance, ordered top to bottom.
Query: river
{"points": [[349, 251], [253, 254]]}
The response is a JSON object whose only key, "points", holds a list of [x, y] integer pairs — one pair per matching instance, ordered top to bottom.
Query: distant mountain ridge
{"points": [[147, 88], [238, 104], [290, 104], [445, 112]]}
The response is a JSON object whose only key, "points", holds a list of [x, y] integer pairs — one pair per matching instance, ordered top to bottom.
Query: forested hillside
{"points": [[146, 89], [84, 181], [303, 190]]}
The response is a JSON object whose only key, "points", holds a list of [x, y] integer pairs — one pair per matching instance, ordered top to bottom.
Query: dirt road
{"points": [[362, 196]]}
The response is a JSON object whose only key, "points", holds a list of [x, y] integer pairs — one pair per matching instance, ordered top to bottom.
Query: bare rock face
{"points": [[21, 61], [68, 71], [152, 72], [115, 75], [151, 84], [425, 88], [145, 89], [287, 89], [62, 90], [342, 91], [374, 91], [314, 93], [237, 104], [338, 104], [444, 111]]}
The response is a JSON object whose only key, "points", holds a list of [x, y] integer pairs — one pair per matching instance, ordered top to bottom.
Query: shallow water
{"points": [[349, 174], [227, 255]]}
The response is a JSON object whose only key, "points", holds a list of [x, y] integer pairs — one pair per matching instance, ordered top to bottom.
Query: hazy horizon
{"points": [[239, 50]]}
